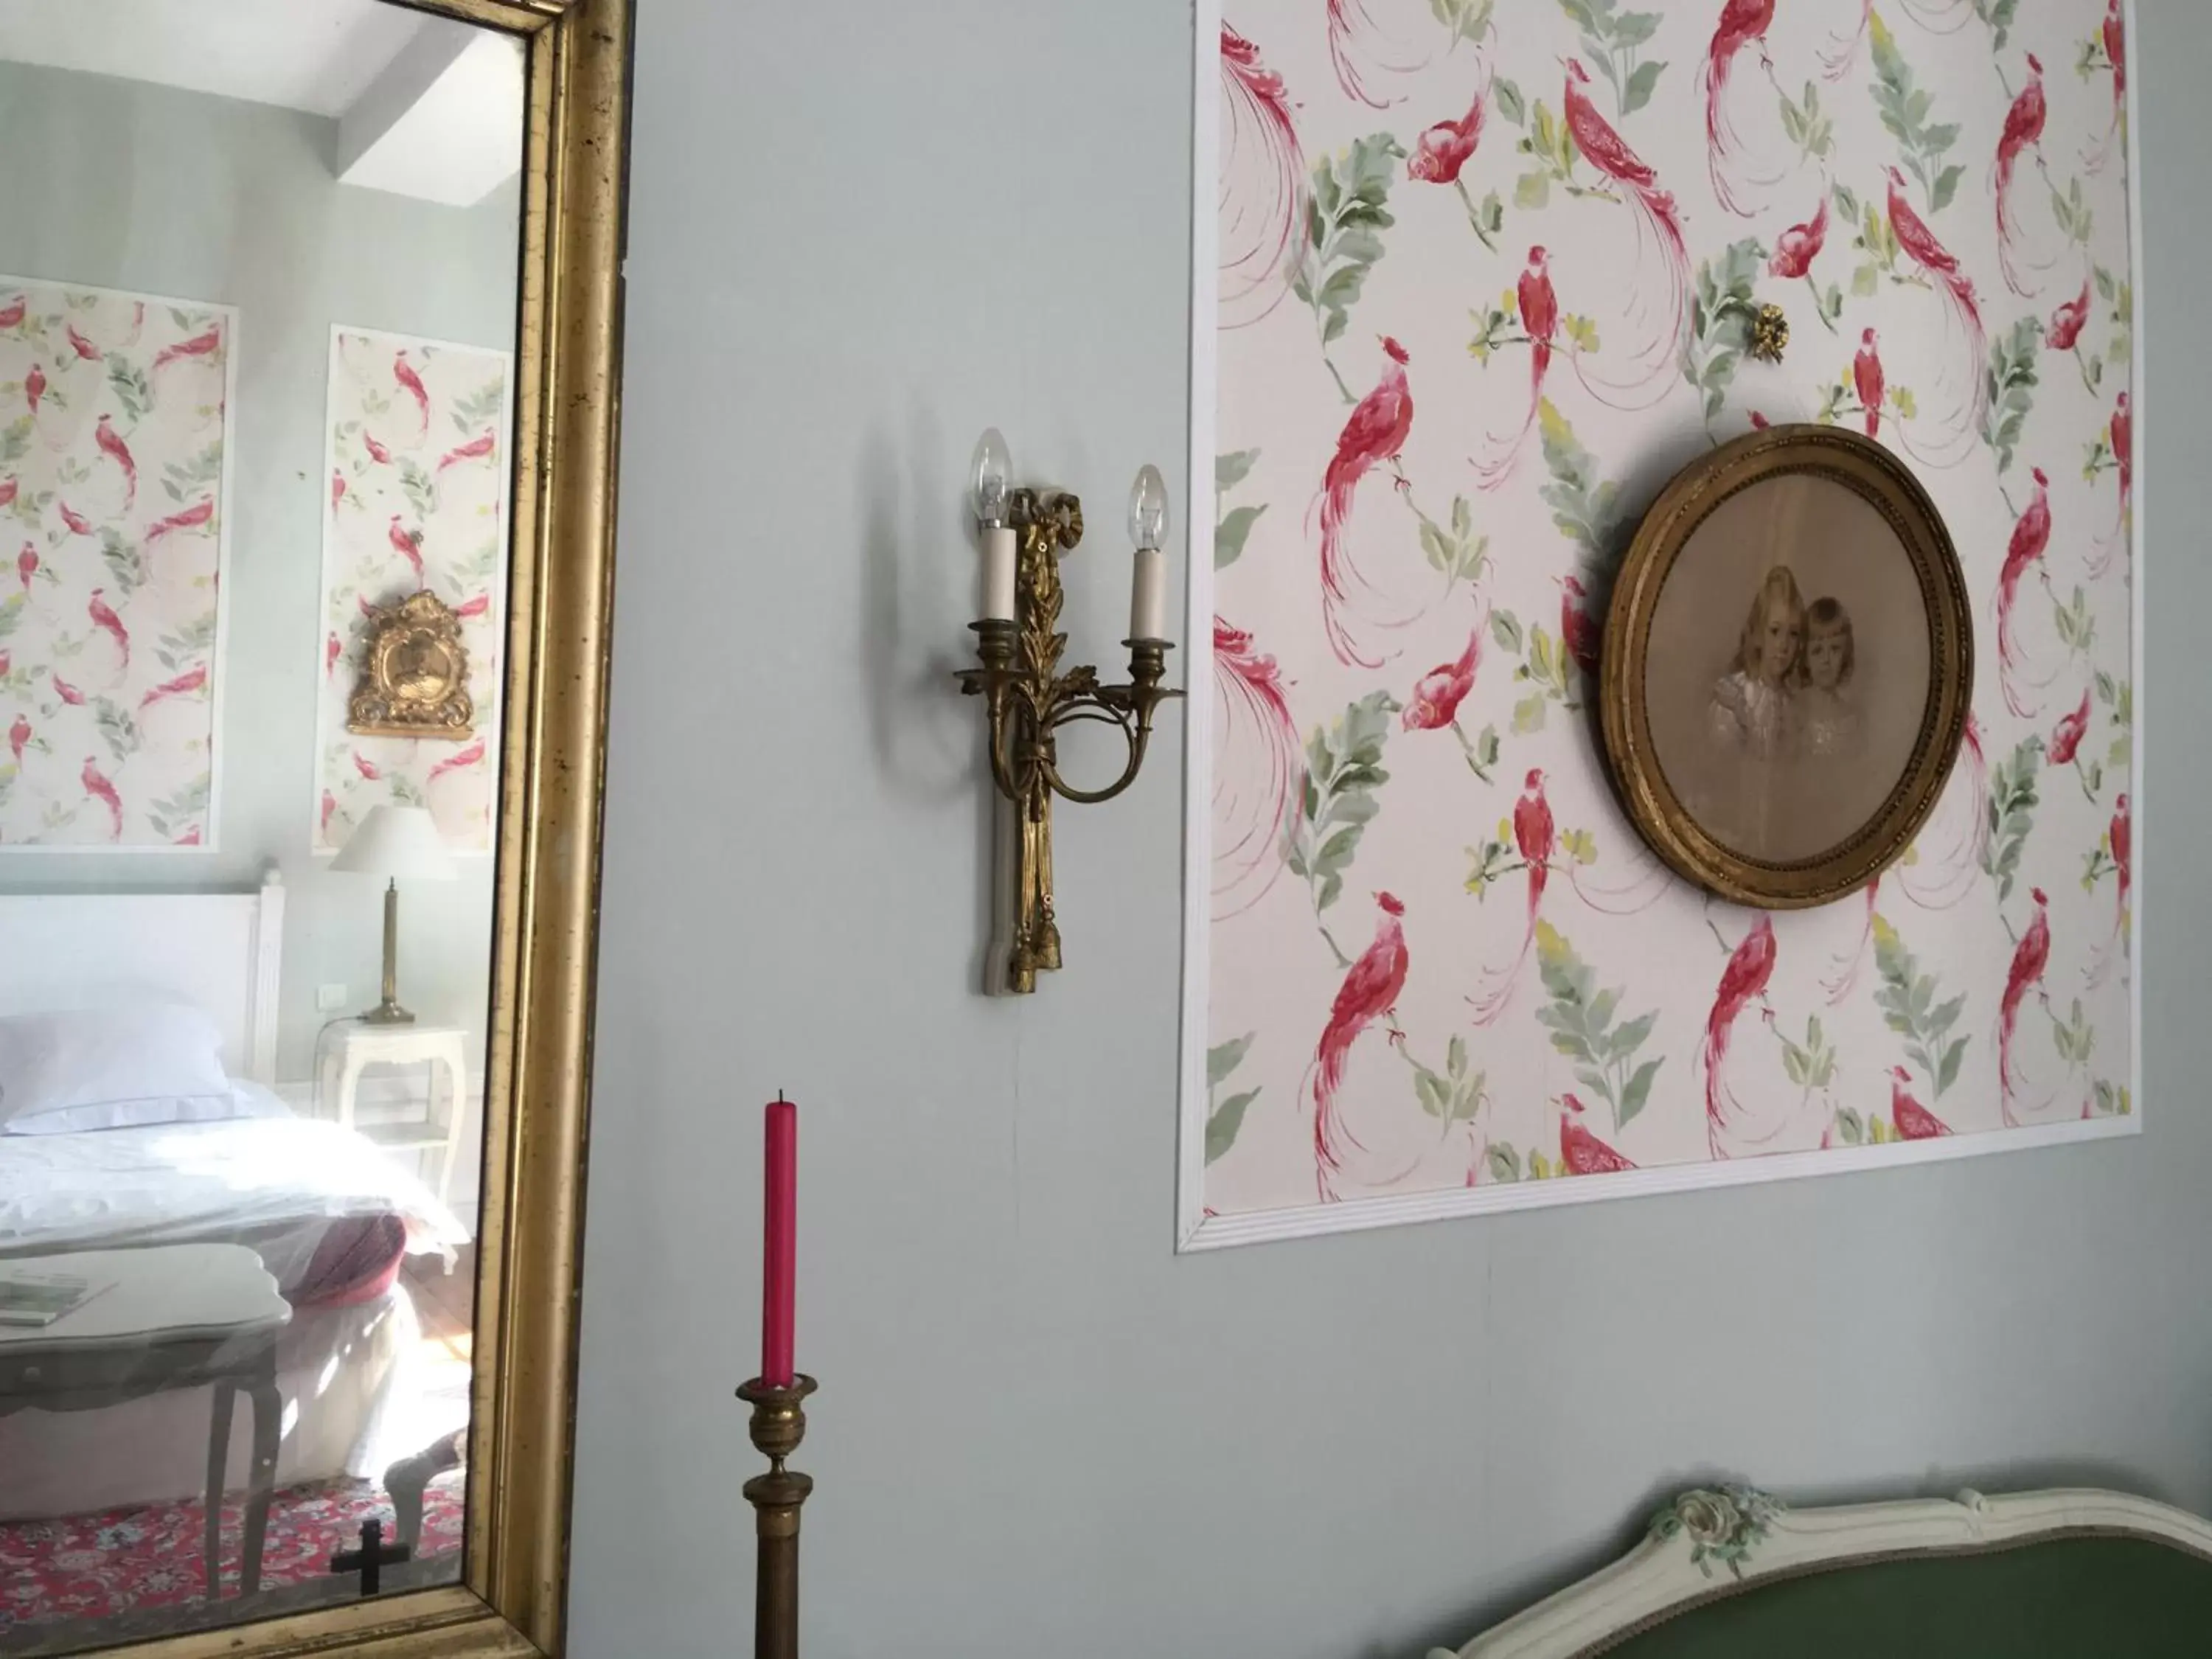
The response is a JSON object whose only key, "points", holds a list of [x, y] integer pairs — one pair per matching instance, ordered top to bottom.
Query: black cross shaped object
{"points": [[371, 1558]]}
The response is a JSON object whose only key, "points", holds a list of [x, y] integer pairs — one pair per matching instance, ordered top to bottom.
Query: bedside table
{"points": [[351, 1046]]}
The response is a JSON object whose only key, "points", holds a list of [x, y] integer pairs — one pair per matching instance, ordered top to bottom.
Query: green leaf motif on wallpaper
{"points": [[1998, 15], [1467, 20], [1613, 39], [1505, 97], [1905, 107], [1807, 127], [1347, 210], [2072, 213], [1722, 311], [128, 382], [2010, 385], [479, 406], [16, 436], [190, 477], [1586, 507], [1232, 529], [1458, 550], [125, 564], [2076, 622], [188, 643], [2119, 697], [117, 729], [1337, 798], [2013, 801], [173, 814], [1907, 1001], [1580, 1017], [2075, 1038], [1811, 1065], [1455, 1094], [2113, 1100], [1224, 1118]]}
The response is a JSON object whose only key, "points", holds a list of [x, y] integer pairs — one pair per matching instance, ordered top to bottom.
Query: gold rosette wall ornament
{"points": [[415, 674]]}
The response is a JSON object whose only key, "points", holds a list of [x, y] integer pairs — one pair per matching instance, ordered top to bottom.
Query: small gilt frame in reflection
{"points": [[414, 675]]}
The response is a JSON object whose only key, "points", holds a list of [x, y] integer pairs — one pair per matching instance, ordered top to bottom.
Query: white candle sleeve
{"points": [[997, 573], [1148, 596]]}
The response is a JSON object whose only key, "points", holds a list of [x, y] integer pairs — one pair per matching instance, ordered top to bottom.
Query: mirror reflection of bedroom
{"points": [[257, 314]]}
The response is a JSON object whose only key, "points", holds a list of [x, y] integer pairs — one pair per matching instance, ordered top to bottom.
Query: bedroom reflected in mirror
{"points": [[257, 320]]}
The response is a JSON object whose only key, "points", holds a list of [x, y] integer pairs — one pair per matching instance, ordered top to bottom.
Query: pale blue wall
{"points": [[1040, 1432]]}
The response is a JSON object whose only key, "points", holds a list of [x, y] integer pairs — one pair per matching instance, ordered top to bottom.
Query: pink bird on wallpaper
{"points": [[1743, 22], [1352, 35], [2115, 50], [2023, 130], [1443, 149], [1263, 186], [1659, 221], [1796, 248], [1942, 267], [12, 316], [2069, 320], [1539, 321], [201, 345], [84, 349], [1869, 381], [411, 384], [34, 387], [1375, 434], [2121, 435], [112, 445], [476, 450], [377, 451], [338, 488], [9, 489], [195, 517], [78, 523], [2030, 536], [408, 544], [26, 566], [361, 603], [473, 607], [105, 620], [1581, 635], [332, 650], [6, 662], [190, 681], [68, 693], [1437, 693], [2066, 736], [19, 738], [468, 756], [369, 769], [1256, 780], [99, 789], [330, 805], [1534, 834], [189, 838], [2120, 843], [1953, 845], [2029, 958], [1742, 980], [1369, 993], [1913, 1121], [1581, 1152]]}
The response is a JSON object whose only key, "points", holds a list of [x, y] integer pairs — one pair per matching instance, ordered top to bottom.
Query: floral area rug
{"points": [[96, 1566]]}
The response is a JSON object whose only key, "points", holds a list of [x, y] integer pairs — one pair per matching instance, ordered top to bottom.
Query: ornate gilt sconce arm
{"points": [[1027, 700]]}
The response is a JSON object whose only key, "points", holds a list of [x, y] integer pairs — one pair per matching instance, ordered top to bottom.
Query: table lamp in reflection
{"points": [[398, 844]]}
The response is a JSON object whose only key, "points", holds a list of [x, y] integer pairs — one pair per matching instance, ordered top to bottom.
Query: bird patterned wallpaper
{"points": [[1485, 279], [114, 444], [418, 469]]}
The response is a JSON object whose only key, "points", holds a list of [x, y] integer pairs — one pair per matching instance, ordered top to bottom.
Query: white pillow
{"points": [[148, 1056], [245, 1100]]}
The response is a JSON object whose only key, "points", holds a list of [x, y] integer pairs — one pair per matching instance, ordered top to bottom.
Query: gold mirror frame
{"points": [[1870, 470], [511, 1598]]}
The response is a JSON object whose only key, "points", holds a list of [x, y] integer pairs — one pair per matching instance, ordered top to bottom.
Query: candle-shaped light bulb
{"points": [[992, 473], [993, 478], [1148, 509], [1148, 528]]}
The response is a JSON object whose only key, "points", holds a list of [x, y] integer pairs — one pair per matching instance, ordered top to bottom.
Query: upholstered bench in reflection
{"points": [[1732, 1573]]}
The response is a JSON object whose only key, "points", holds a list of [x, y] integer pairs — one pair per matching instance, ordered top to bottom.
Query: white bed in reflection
{"points": [[332, 1216]]}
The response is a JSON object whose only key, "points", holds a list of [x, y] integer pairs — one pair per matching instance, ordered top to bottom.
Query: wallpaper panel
{"points": [[1486, 276], [114, 455], [418, 466]]}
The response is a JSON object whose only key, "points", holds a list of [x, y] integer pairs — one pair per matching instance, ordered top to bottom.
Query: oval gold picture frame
{"points": [[1865, 850]]}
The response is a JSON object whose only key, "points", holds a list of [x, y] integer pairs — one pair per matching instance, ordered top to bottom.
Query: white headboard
{"points": [[222, 951]]}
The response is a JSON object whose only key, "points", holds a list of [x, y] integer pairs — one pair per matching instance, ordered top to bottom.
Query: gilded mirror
{"points": [[1788, 662], [301, 672]]}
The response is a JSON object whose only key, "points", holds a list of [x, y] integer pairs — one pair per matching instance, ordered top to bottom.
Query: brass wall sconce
{"points": [[1026, 695]]}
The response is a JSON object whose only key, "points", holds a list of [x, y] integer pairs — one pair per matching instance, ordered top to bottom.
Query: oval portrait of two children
{"points": [[1787, 666]]}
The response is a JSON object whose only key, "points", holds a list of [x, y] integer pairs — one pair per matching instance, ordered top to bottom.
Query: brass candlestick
{"points": [[1028, 700], [778, 1425]]}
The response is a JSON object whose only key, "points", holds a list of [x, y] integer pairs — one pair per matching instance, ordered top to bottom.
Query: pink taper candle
{"points": [[780, 1257]]}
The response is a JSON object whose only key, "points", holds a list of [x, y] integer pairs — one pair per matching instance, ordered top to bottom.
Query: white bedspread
{"points": [[173, 1183]]}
